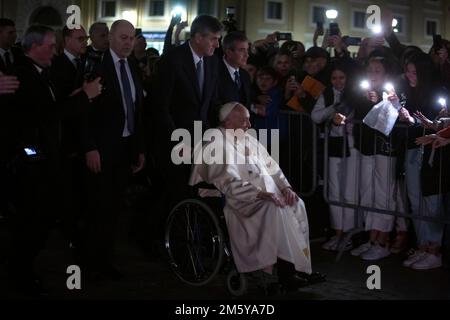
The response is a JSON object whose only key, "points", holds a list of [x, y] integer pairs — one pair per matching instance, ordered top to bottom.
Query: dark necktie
{"points": [[77, 62], [8, 63], [79, 72], [200, 76], [237, 79], [128, 96]]}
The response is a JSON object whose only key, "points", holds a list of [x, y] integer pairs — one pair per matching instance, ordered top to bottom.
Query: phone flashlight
{"points": [[365, 85]]}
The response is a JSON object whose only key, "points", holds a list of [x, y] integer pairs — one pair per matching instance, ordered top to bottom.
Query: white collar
{"points": [[69, 55], [115, 57], [197, 58], [39, 69], [231, 69], [336, 91]]}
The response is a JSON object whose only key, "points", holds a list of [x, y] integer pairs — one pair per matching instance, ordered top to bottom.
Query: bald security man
{"points": [[113, 149]]}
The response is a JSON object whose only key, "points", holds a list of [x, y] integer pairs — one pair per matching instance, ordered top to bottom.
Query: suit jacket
{"points": [[18, 57], [65, 79], [228, 90], [177, 102], [37, 114], [103, 124]]}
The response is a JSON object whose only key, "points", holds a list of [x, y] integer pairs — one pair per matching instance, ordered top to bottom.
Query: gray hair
{"points": [[96, 26], [35, 35], [229, 41]]}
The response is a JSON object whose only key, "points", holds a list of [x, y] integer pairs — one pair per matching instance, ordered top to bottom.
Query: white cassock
{"points": [[259, 230]]}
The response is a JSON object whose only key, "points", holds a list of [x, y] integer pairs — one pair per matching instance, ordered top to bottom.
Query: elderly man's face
{"points": [[100, 39], [122, 40], [43, 53], [237, 57], [239, 118]]}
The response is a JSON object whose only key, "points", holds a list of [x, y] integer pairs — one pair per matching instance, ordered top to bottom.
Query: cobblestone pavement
{"points": [[153, 280]]}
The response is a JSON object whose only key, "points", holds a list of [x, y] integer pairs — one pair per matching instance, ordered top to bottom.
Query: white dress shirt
{"points": [[2, 53], [71, 58], [116, 61], [231, 70]]}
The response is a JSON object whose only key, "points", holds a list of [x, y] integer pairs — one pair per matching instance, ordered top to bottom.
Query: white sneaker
{"points": [[331, 244], [361, 249], [375, 252], [415, 257], [430, 261]]}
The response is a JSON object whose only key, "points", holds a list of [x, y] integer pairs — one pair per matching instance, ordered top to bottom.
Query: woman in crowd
{"points": [[334, 110], [378, 185]]}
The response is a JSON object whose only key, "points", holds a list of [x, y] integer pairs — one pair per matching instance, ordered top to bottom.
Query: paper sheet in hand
{"points": [[383, 116]]}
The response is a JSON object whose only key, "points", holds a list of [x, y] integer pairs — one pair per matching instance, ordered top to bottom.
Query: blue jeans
{"points": [[430, 206]]}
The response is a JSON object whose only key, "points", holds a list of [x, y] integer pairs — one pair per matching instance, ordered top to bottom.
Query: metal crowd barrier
{"points": [[300, 162], [400, 194]]}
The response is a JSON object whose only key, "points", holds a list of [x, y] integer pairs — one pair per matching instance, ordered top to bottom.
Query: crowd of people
{"points": [[80, 120]]}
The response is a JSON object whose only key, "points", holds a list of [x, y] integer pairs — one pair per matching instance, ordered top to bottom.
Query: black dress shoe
{"points": [[312, 278], [293, 282]]}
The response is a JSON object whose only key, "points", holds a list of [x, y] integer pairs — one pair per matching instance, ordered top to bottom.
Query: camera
{"points": [[230, 11], [230, 23], [334, 29], [284, 36], [352, 41], [92, 60], [31, 154]]}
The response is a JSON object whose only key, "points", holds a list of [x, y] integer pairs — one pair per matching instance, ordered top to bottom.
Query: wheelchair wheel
{"points": [[194, 242], [237, 283]]}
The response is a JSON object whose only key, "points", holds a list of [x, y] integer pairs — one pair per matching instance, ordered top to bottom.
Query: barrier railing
{"points": [[394, 188]]}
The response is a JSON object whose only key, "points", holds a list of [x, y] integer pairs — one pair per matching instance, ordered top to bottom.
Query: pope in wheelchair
{"points": [[266, 220]]}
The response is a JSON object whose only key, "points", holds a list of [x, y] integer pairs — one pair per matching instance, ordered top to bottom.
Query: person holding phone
{"points": [[420, 89], [334, 110], [377, 182]]}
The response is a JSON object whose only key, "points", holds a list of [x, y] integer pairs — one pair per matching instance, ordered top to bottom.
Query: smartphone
{"points": [[231, 11], [320, 28], [334, 29], [284, 36], [352, 41], [437, 42], [30, 151]]}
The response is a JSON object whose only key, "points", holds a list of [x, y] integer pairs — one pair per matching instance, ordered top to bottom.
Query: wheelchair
{"points": [[197, 243]]}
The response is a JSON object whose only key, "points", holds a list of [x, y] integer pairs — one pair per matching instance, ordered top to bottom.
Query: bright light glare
{"points": [[178, 10], [331, 14], [130, 16], [377, 29], [365, 85], [389, 87]]}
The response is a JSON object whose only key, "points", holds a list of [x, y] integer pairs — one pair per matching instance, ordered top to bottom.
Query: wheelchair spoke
{"points": [[194, 242]]}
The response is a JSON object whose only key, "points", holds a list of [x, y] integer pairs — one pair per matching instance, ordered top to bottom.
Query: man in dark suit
{"points": [[98, 33], [10, 56], [67, 76], [234, 81], [186, 91], [38, 121], [113, 147]]}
